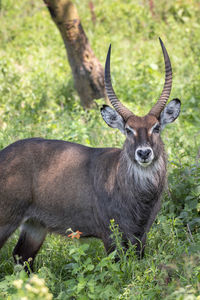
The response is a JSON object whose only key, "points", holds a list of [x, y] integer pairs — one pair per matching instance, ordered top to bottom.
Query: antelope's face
{"points": [[143, 143]]}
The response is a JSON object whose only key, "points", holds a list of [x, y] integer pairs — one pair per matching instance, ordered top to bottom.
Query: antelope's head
{"points": [[143, 142]]}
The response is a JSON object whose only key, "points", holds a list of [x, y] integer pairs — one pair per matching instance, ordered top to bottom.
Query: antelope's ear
{"points": [[170, 112], [112, 118]]}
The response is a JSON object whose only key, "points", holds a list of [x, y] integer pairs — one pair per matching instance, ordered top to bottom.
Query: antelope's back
{"points": [[44, 172], [53, 181]]}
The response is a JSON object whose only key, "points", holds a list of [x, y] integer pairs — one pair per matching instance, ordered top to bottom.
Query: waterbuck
{"points": [[52, 185]]}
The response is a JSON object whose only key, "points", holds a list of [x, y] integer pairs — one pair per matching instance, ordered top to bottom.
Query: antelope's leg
{"points": [[5, 231], [31, 239]]}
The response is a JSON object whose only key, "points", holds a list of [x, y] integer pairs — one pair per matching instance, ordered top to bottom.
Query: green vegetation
{"points": [[37, 98]]}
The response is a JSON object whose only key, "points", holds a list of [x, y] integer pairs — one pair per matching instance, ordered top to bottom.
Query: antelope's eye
{"points": [[156, 129], [128, 131]]}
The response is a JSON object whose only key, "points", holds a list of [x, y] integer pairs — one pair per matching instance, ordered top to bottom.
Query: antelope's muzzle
{"points": [[144, 156]]}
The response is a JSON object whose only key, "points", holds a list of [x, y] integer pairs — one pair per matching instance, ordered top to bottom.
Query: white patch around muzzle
{"points": [[144, 156]]}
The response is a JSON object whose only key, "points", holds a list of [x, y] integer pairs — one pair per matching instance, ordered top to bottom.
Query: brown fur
{"points": [[52, 185]]}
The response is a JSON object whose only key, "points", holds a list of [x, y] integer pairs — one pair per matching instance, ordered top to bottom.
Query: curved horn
{"points": [[119, 107], [158, 107]]}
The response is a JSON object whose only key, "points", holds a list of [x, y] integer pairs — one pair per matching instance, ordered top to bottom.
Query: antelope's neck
{"points": [[144, 182]]}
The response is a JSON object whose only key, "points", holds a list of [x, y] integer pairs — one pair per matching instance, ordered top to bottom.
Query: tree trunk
{"points": [[87, 71]]}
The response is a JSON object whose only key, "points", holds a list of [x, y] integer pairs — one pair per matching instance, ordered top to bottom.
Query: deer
{"points": [[49, 186]]}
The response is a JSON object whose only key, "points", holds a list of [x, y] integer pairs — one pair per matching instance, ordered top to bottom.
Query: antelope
{"points": [[52, 185]]}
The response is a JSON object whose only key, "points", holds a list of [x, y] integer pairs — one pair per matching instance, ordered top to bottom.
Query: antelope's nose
{"points": [[144, 153]]}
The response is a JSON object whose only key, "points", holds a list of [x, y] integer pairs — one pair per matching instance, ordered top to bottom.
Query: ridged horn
{"points": [[119, 107], [158, 107]]}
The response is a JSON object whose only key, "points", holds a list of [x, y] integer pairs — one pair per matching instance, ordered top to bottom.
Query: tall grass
{"points": [[37, 98]]}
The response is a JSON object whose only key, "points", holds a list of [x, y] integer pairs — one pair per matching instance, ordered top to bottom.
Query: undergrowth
{"points": [[37, 98]]}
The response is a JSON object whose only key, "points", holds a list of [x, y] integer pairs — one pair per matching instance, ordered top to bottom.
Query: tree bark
{"points": [[87, 71]]}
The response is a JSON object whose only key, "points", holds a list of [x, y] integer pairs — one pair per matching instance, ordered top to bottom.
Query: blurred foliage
{"points": [[37, 98]]}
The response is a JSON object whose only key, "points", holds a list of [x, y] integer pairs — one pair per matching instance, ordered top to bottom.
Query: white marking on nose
{"points": [[144, 155]]}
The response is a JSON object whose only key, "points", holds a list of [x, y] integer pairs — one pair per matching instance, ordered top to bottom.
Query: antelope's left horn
{"points": [[158, 107]]}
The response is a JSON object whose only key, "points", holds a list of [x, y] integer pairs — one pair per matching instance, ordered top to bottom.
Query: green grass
{"points": [[37, 98]]}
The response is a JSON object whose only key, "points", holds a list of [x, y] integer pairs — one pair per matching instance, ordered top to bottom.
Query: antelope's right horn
{"points": [[119, 107]]}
